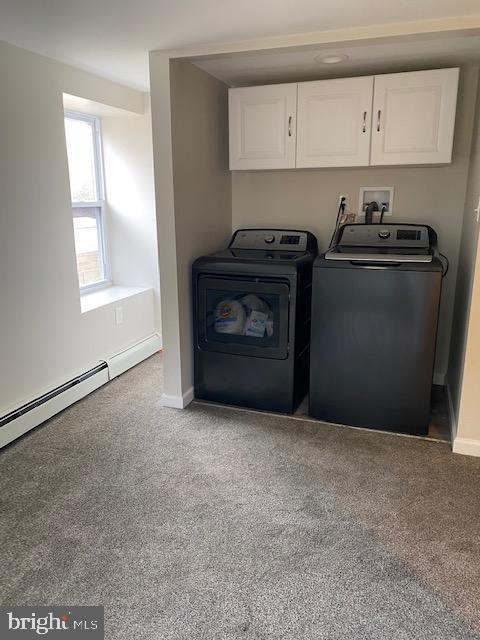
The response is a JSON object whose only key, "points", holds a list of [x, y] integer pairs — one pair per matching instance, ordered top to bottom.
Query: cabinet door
{"points": [[414, 117], [334, 118], [262, 126]]}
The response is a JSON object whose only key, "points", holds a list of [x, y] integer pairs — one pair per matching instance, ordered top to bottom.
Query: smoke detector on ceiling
{"points": [[332, 58]]}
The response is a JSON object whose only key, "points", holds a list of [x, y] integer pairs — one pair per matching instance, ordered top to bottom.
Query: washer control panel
{"points": [[390, 235], [273, 239]]}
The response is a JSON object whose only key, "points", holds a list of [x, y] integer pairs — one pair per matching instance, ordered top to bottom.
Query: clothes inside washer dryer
{"points": [[247, 315], [230, 317]]}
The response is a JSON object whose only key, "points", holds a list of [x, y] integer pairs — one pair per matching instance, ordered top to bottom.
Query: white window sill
{"points": [[91, 288], [102, 297]]}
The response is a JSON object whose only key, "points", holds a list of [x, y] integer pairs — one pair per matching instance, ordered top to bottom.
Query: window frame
{"points": [[99, 204]]}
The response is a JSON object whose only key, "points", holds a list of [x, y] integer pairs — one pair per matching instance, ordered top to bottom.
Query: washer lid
{"points": [[376, 254]]}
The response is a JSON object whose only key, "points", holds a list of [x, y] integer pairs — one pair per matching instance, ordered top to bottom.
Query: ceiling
{"points": [[112, 37], [303, 63]]}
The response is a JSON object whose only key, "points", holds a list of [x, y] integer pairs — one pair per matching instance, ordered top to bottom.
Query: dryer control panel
{"points": [[273, 239]]}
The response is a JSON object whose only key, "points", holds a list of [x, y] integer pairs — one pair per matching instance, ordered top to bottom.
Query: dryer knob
{"points": [[384, 234], [269, 239]]}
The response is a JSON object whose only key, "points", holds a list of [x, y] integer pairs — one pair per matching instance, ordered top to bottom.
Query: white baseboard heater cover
{"points": [[134, 354], [31, 414]]}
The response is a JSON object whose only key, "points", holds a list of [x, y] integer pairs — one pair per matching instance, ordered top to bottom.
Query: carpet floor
{"points": [[212, 523]]}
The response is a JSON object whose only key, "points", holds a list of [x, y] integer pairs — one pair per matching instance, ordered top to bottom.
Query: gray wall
{"points": [[201, 181], [193, 194], [308, 198], [465, 279]]}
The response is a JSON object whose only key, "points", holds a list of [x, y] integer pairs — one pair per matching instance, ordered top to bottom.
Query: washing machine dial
{"points": [[384, 234], [269, 239]]}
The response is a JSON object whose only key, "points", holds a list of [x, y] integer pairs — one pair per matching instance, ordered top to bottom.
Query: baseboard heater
{"points": [[34, 412]]}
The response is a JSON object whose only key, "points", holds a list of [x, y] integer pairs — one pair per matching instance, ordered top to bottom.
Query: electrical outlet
{"points": [[340, 199], [118, 315]]}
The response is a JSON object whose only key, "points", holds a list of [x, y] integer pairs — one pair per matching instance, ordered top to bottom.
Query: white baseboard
{"points": [[121, 362], [439, 378], [177, 402], [48, 409], [463, 446], [467, 447]]}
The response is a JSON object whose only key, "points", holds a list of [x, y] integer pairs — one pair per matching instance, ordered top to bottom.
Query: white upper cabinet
{"points": [[414, 117], [333, 122], [262, 123]]}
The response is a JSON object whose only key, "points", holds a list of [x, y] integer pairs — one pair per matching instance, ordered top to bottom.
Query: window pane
{"points": [[81, 160], [88, 245]]}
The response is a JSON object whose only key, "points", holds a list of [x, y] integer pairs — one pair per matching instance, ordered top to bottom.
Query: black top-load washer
{"points": [[376, 297], [251, 317]]}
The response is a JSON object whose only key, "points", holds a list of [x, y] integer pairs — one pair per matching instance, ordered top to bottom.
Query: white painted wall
{"points": [[129, 186], [167, 245], [44, 337], [464, 366]]}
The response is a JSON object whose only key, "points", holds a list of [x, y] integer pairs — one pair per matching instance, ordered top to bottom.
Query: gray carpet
{"points": [[214, 523]]}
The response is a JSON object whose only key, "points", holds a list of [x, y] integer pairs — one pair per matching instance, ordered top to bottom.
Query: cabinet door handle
{"points": [[379, 115], [289, 126], [364, 127]]}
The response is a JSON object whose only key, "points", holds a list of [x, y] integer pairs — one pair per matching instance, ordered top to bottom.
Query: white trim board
{"points": [[121, 362], [177, 402], [462, 446], [467, 447]]}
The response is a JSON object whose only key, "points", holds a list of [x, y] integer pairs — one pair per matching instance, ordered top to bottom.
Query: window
{"points": [[82, 133]]}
